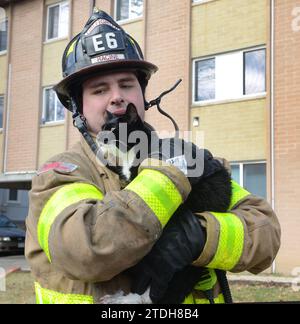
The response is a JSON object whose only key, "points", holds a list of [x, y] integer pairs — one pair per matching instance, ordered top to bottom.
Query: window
{"points": [[128, 9], [57, 21], [3, 32], [254, 72], [230, 76], [205, 80], [53, 110], [1, 111], [235, 173], [251, 176], [13, 195]]}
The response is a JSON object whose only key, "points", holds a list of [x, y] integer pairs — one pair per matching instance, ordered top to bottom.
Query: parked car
{"points": [[12, 238]]}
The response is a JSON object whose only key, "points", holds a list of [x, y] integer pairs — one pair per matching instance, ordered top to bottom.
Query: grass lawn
{"points": [[20, 290], [263, 293]]}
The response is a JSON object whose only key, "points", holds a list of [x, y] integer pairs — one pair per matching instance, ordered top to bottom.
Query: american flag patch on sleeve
{"points": [[63, 167]]}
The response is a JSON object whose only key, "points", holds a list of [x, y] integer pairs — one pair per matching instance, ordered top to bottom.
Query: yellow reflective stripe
{"points": [[71, 48], [158, 192], [238, 193], [61, 199], [231, 242], [207, 283], [46, 296], [191, 300], [217, 300]]}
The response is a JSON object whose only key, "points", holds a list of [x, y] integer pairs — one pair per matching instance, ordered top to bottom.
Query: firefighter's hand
{"points": [[181, 243]]}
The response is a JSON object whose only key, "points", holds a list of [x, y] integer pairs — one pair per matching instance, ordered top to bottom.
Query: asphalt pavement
{"points": [[12, 263]]}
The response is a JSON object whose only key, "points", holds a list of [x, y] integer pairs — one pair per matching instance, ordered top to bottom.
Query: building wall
{"points": [[50, 2], [106, 5], [226, 25], [219, 27], [136, 28], [168, 46], [51, 61], [25, 85], [235, 131], [287, 131], [52, 137], [52, 141]]}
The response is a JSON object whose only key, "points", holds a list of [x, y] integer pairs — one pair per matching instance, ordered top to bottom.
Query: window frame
{"points": [[195, 2], [60, 4], [129, 19], [5, 20], [205, 58], [244, 70], [194, 77], [242, 95], [46, 123], [241, 169], [18, 201]]}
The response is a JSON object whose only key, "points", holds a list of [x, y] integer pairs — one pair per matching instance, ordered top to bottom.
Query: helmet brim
{"points": [[63, 87]]}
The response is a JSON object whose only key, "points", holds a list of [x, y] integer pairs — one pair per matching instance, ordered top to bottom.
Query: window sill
{"points": [[194, 4], [129, 21], [53, 40], [3, 52], [220, 102], [52, 124], [13, 202]]}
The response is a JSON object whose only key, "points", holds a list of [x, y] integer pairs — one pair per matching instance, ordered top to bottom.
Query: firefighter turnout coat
{"points": [[84, 229]]}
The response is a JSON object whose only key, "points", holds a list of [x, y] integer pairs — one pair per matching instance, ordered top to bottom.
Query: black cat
{"points": [[212, 192]]}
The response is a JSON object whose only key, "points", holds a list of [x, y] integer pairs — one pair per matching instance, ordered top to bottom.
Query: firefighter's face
{"points": [[111, 92]]}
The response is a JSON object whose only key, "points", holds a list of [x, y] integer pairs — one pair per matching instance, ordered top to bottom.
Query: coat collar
{"points": [[102, 169]]}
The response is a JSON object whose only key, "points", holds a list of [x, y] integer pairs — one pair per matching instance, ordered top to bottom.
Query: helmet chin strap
{"points": [[156, 102], [79, 121]]}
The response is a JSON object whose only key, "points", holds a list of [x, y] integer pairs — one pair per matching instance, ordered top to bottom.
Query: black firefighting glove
{"points": [[194, 162], [181, 242]]}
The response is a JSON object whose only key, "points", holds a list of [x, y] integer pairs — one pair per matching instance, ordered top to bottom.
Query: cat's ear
{"points": [[132, 114], [110, 122]]}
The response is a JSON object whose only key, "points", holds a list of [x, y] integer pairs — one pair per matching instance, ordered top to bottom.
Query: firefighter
{"points": [[85, 229]]}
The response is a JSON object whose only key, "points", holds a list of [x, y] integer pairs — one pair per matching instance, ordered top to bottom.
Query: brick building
{"points": [[238, 63], [286, 98]]}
